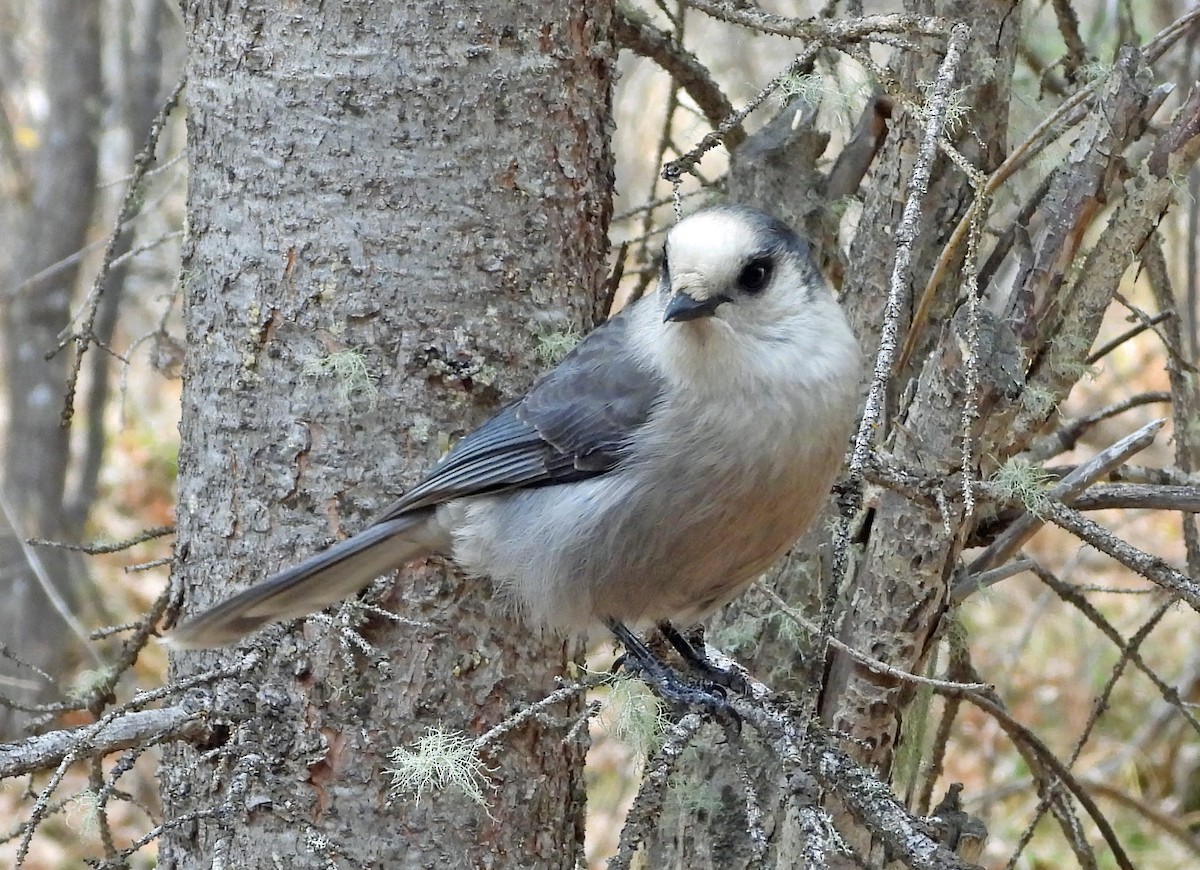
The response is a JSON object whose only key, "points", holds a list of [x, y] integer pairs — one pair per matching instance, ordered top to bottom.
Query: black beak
{"points": [[682, 307]]}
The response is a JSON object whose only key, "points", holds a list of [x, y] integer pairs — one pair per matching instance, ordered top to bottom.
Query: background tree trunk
{"points": [[148, 45], [422, 189], [49, 208]]}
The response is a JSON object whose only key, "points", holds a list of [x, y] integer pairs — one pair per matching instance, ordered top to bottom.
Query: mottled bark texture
{"points": [[423, 188], [44, 219], [899, 589]]}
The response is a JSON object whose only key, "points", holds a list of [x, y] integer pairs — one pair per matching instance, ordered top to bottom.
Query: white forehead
{"points": [[711, 242]]}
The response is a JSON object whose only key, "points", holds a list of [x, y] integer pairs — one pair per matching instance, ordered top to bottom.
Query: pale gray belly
{"points": [[625, 547]]}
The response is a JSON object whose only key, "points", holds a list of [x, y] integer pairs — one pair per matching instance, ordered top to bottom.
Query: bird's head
{"points": [[736, 267]]}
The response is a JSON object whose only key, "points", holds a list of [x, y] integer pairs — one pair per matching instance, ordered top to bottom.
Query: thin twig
{"points": [[633, 30], [831, 30], [674, 170], [906, 234], [1147, 321], [1133, 332], [83, 337], [1067, 436], [1126, 496], [97, 548], [1153, 568], [47, 585], [1074, 596], [1128, 652], [945, 687], [530, 711], [1022, 736], [644, 813]]}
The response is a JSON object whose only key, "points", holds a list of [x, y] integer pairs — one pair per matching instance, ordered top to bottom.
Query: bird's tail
{"points": [[317, 582]]}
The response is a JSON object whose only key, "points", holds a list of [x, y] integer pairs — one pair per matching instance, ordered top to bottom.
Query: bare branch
{"points": [[1068, 26], [823, 29], [634, 30], [1176, 150], [675, 170], [906, 234], [1133, 332], [83, 337], [1067, 436], [1139, 496], [1006, 546], [97, 548], [1151, 567], [48, 587], [1074, 597], [945, 687], [1099, 705], [138, 729], [1044, 756], [869, 800], [873, 804], [645, 809], [1168, 821]]}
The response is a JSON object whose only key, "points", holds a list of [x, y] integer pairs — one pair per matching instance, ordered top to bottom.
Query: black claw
{"points": [[695, 657], [716, 689], [679, 693]]}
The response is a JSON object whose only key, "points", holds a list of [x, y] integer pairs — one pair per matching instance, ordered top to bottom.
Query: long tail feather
{"points": [[317, 582]]}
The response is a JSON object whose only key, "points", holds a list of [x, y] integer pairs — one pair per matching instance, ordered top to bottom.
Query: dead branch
{"points": [[1068, 25], [824, 29], [634, 30], [675, 169], [906, 234], [83, 337], [1067, 436], [1136, 496], [97, 547], [1004, 547], [1151, 567], [1075, 598], [137, 729], [1042, 756], [643, 814]]}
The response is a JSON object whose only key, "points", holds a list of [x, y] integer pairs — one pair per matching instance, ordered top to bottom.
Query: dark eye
{"points": [[755, 275]]}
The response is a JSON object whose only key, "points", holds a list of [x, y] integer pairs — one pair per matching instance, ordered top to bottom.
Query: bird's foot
{"points": [[692, 652], [681, 694]]}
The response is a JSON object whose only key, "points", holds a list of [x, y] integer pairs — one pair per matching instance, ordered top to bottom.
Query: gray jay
{"points": [[667, 461]]}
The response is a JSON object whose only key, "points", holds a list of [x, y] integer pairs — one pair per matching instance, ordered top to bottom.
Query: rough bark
{"points": [[426, 187], [899, 592]]}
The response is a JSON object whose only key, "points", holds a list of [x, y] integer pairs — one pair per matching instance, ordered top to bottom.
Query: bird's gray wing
{"points": [[576, 422]]}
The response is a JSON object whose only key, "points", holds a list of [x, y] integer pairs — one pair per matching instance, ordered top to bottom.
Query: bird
{"points": [[669, 459]]}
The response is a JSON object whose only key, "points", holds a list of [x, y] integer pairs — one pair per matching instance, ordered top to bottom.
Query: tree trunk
{"points": [[148, 47], [388, 203], [47, 219], [900, 589]]}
